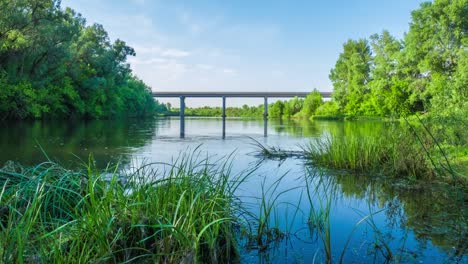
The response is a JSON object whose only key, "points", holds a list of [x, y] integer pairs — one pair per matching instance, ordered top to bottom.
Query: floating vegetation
{"points": [[275, 153]]}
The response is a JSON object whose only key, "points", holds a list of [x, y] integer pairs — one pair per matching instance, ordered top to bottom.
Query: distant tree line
{"points": [[54, 65], [292, 108]]}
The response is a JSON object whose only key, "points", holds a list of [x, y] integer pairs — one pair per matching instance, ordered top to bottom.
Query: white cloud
{"points": [[159, 51], [174, 53], [136, 60], [205, 67], [229, 71]]}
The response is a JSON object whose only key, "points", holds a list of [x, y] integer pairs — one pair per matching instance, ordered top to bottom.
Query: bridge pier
{"points": [[224, 95], [182, 116], [265, 116], [224, 117]]}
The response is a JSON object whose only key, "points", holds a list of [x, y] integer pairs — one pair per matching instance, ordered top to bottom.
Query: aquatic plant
{"points": [[274, 153], [394, 154], [323, 192], [185, 214], [265, 223]]}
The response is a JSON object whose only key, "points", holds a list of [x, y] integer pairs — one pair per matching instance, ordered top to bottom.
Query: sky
{"points": [[241, 45]]}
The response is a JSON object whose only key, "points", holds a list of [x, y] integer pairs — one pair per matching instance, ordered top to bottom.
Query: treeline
{"points": [[53, 65], [427, 71], [293, 107], [296, 107], [244, 111]]}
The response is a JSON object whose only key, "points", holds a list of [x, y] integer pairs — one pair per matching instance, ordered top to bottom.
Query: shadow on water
{"points": [[69, 141]]}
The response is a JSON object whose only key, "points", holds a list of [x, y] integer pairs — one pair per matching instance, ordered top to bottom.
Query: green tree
{"points": [[432, 49], [53, 65], [351, 75], [387, 96], [311, 103], [293, 106], [276, 109], [329, 109]]}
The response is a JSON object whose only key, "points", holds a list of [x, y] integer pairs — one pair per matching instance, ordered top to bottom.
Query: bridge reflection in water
{"points": [[224, 95]]}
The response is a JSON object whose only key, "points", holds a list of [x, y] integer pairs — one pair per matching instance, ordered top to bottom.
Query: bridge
{"points": [[224, 95]]}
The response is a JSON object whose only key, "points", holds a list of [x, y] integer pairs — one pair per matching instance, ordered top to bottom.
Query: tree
{"points": [[432, 49], [53, 65], [351, 75], [387, 96], [311, 103], [293, 106], [276, 109]]}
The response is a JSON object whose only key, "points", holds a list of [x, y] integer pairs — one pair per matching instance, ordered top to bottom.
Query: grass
{"points": [[351, 152], [398, 153], [404, 153], [398, 157], [322, 192], [185, 212], [49, 214], [319, 216], [266, 228]]}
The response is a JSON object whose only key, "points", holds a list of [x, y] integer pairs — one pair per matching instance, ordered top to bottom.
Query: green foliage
{"points": [[432, 49], [53, 65], [426, 71], [351, 75], [386, 97], [311, 103], [293, 106], [276, 109], [328, 109], [244, 111], [49, 214]]}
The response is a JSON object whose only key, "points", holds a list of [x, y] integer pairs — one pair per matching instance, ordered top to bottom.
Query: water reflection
{"points": [[70, 141], [435, 213], [425, 224]]}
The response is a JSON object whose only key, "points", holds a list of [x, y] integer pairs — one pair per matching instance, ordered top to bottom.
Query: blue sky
{"points": [[241, 45]]}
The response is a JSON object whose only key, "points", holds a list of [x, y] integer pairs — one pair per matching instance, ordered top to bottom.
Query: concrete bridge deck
{"points": [[238, 94]]}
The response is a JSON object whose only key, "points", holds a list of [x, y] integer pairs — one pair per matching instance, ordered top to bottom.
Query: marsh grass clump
{"points": [[394, 154], [186, 214]]}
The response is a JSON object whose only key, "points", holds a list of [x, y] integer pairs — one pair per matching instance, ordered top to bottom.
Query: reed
{"points": [[394, 155], [320, 197], [185, 214], [265, 224]]}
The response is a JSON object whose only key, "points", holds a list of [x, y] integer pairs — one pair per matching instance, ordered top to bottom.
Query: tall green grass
{"points": [[409, 150], [392, 154], [322, 193], [188, 214]]}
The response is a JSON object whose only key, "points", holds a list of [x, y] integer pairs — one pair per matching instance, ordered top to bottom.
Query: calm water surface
{"points": [[426, 225]]}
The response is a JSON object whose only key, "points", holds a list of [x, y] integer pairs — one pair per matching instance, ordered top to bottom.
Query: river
{"points": [[374, 218]]}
